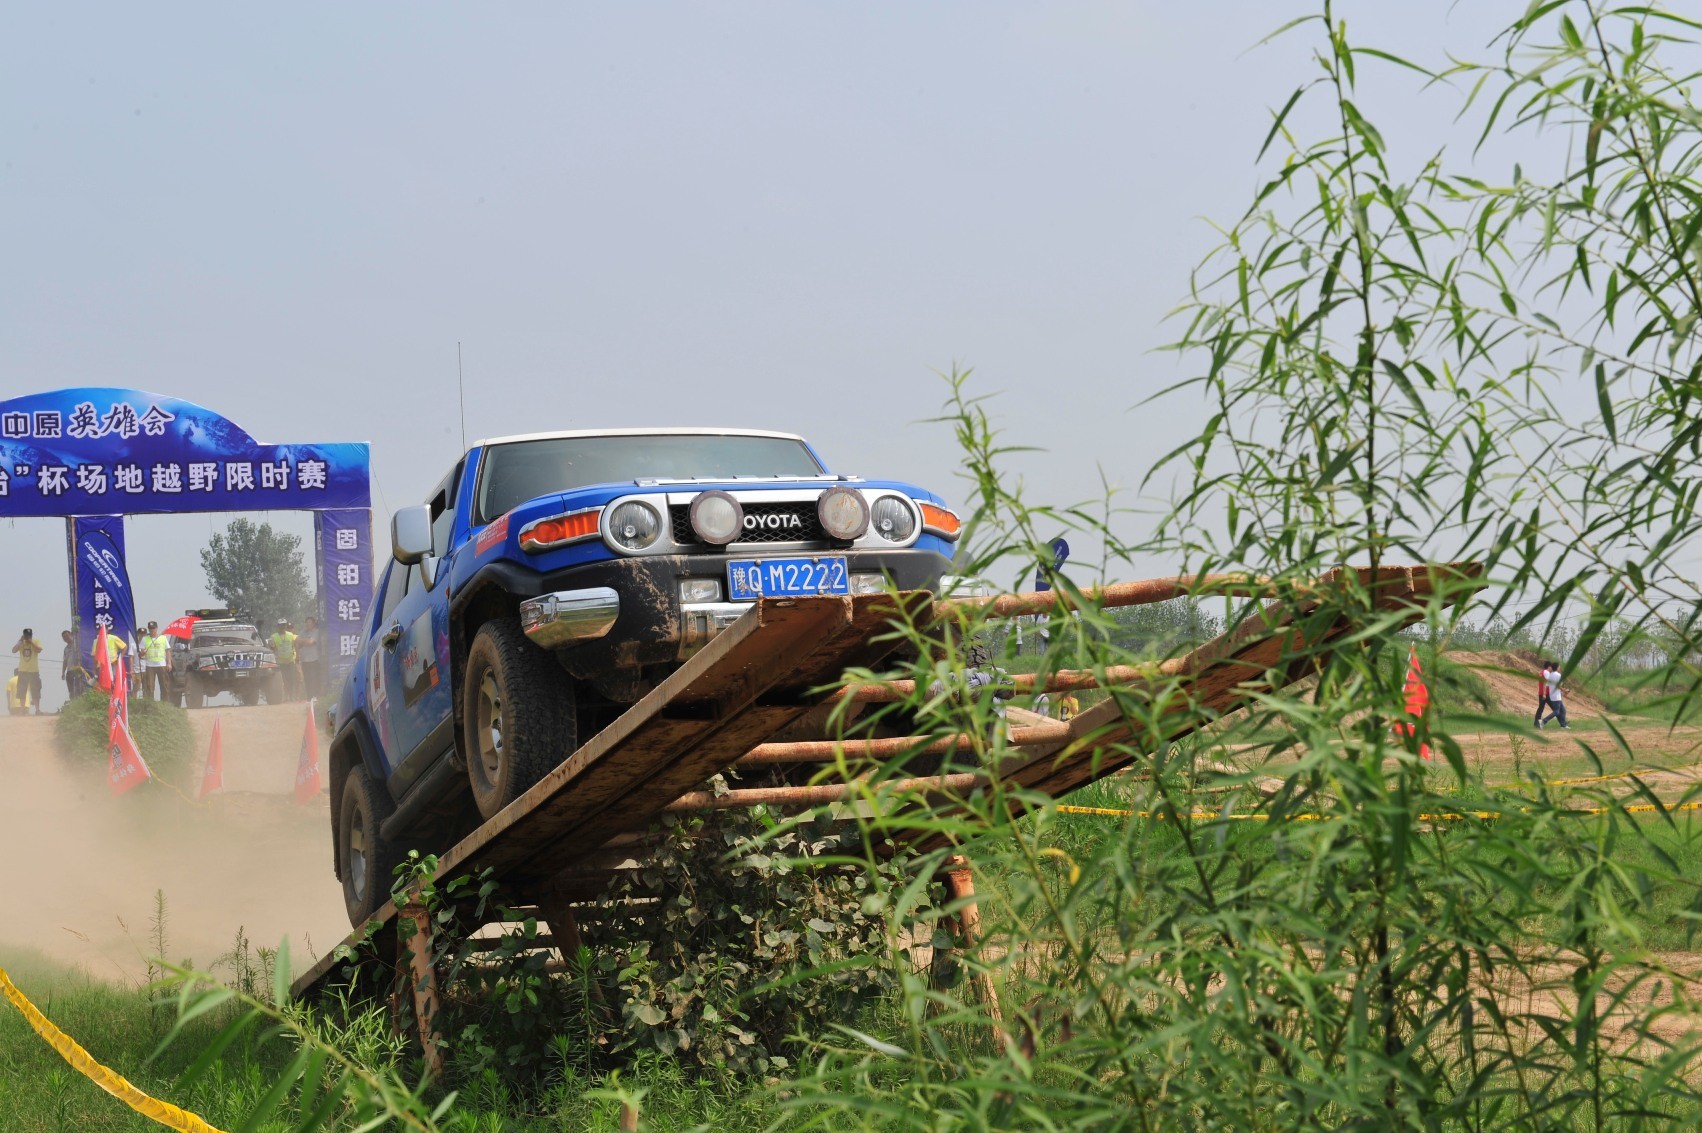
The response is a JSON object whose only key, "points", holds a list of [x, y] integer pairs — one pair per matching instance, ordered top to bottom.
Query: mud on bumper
{"points": [[628, 613]]}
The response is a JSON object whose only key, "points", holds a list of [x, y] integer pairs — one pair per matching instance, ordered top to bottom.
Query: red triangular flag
{"points": [[103, 663], [1418, 697], [118, 700], [1418, 700], [307, 767], [126, 769], [213, 778]]}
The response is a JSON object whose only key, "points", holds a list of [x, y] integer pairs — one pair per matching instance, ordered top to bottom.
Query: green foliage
{"points": [[1374, 344], [258, 572], [162, 732], [721, 923], [700, 960]]}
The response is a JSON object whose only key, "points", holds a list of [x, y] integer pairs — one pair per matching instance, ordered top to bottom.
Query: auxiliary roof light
{"points": [[716, 517]]}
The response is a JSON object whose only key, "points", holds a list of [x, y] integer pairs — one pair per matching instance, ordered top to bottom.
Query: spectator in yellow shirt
{"points": [[29, 652]]}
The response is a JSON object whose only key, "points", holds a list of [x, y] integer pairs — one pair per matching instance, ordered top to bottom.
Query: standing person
{"points": [[155, 648], [283, 650], [29, 652], [310, 658], [71, 667], [1551, 676], [1542, 696], [1068, 706]]}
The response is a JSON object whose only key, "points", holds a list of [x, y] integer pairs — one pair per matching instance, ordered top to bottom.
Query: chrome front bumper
{"points": [[568, 616]]}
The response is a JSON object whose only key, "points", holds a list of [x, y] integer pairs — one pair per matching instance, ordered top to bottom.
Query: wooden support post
{"points": [[960, 886], [564, 927], [423, 976]]}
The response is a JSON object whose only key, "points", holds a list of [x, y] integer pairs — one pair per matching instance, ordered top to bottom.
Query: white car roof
{"points": [[650, 432]]}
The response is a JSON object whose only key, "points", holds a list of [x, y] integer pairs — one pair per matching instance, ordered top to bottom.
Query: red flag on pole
{"points": [[103, 662], [1418, 697], [118, 700], [1418, 700], [307, 767], [126, 769], [213, 777]]}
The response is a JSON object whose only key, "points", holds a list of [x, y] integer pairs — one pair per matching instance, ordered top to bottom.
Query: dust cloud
{"points": [[79, 868]]}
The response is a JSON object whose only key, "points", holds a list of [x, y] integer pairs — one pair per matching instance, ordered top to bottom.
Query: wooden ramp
{"points": [[753, 679], [561, 841]]}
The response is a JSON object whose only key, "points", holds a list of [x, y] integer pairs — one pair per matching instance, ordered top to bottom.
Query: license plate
{"points": [[750, 579], [242, 663]]}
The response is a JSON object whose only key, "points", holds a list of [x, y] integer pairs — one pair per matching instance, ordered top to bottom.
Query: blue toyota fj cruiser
{"points": [[551, 580]]}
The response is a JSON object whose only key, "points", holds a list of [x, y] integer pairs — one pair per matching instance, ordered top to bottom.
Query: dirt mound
{"points": [[1511, 678], [82, 867]]}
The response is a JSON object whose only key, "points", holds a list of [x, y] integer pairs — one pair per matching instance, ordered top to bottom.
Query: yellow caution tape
{"points": [[1608, 778], [1448, 816], [112, 1082]]}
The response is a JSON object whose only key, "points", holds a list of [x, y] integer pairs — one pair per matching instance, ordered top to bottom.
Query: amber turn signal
{"points": [[940, 521], [558, 530]]}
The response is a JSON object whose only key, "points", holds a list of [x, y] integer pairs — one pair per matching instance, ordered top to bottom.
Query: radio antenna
{"points": [[461, 388]]}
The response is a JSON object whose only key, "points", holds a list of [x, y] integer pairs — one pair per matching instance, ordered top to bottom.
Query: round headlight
{"points": [[843, 513], [717, 518], [893, 520], [634, 526]]}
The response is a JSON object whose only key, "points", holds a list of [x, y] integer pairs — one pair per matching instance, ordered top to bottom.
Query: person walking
{"points": [[155, 649], [283, 651], [29, 652], [311, 658], [71, 667], [1551, 677], [1542, 696]]}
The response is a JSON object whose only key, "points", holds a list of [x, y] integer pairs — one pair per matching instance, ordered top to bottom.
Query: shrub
{"points": [[162, 732], [710, 971]]}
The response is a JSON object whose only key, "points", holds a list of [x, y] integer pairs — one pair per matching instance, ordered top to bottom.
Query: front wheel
{"points": [[194, 695], [518, 716], [364, 857]]}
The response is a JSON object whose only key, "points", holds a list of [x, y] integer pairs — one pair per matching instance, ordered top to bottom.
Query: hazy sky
{"points": [[770, 215]]}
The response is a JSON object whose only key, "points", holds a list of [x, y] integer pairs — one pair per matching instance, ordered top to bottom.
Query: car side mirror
{"points": [[410, 534]]}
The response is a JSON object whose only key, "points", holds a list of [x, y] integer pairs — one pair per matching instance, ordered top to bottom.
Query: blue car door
{"points": [[413, 652]]}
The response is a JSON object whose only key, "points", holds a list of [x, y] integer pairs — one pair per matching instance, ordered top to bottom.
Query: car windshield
{"points": [[523, 470], [224, 637]]}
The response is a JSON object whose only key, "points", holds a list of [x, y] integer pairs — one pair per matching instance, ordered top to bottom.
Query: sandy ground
{"points": [[81, 867]]}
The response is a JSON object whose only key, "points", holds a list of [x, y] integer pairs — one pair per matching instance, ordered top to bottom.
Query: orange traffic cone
{"points": [[307, 767], [126, 769], [213, 778]]}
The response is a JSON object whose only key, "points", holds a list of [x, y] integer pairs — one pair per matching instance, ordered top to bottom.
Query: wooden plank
{"points": [[1219, 677], [722, 680], [793, 682]]}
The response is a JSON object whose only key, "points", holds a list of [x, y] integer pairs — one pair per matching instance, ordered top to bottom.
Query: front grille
{"points": [[808, 529], [226, 660]]}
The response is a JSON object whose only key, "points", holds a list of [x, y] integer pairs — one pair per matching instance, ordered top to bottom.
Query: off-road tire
{"points": [[273, 688], [193, 695], [518, 719], [365, 858]]}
